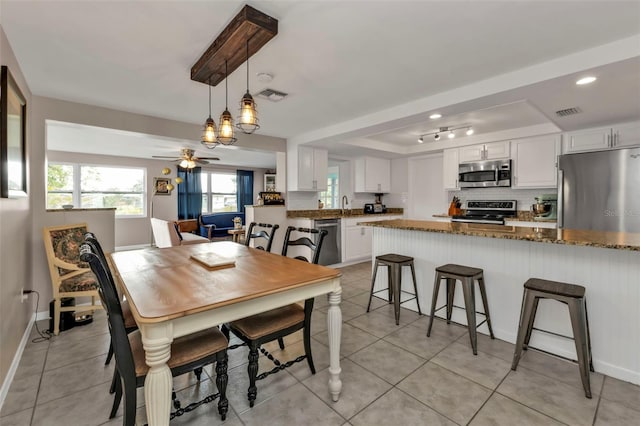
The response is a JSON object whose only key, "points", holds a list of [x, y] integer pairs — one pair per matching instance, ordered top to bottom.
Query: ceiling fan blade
{"points": [[162, 156], [209, 158], [199, 161]]}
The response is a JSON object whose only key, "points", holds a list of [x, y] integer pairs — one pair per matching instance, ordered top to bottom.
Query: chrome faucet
{"points": [[345, 201]]}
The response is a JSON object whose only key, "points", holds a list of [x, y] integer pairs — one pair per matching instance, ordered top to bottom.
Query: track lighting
{"points": [[449, 130]]}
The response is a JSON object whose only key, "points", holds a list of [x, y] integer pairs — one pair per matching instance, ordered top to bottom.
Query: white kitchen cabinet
{"points": [[602, 138], [486, 151], [450, 161], [535, 162], [309, 172], [372, 175], [356, 242]]}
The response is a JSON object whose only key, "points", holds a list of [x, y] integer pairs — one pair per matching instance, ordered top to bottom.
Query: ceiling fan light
{"points": [[248, 119], [469, 131], [184, 164]]}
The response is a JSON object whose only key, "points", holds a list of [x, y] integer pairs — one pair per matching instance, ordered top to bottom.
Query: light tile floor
{"points": [[391, 375]]}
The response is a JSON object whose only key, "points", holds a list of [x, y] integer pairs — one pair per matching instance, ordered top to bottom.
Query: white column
{"points": [[158, 383]]}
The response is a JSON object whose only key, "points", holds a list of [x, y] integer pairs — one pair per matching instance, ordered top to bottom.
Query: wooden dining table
{"points": [[172, 295]]}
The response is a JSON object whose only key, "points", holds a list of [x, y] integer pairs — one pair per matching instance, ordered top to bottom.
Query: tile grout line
{"points": [[595, 415]]}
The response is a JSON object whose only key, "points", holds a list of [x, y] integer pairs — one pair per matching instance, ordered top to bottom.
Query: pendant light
{"points": [[248, 118], [209, 129], [225, 133]]}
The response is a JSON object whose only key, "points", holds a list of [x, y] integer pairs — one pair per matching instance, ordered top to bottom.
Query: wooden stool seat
{"points": [[394, 262], [459, 270], [466, 275], [555, 287], [574, 297]]}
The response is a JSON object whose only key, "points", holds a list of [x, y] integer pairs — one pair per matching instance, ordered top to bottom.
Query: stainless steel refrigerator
{"points": [[600, 190]]}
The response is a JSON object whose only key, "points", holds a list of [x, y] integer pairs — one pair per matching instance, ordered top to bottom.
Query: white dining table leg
{"points": [[334, 320], [158, 384]]}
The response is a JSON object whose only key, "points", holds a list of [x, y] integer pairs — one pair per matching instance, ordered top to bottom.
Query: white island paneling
{"points": [[611, 277]]}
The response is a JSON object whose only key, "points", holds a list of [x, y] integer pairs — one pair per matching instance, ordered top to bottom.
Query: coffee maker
{"points": [[546, 207]]}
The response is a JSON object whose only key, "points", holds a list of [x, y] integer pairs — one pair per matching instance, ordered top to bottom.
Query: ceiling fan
{"points": [[188, 160]]}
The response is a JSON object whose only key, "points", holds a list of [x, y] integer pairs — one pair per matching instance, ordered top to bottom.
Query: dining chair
{"points": [[262, 234], [70, 277], [129, 322], [275, 324], [187, 353]]}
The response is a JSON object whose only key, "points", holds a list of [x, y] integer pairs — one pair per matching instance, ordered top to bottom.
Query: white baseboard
{"points": [[4, 390]]}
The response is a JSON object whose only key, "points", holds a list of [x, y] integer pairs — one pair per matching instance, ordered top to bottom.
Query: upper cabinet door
{"points": [[626, 135], [588, 140], [496, 150], [486, 151], [471, 153], [535, 162], [305, 168], [450, 168], [320, 169], [372, 175]]}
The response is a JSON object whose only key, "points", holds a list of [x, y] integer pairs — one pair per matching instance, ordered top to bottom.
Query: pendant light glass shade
{"points": [[248, 119], [209, 129], [225, 132]]}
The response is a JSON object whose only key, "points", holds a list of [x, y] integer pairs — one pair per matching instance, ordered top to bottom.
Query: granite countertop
{"points": [[337, 213], [612, 240]]}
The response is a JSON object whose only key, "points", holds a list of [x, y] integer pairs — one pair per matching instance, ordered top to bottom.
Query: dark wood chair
{"points": [[261, 234], [129, 322], [277, 323], [187, 353]]}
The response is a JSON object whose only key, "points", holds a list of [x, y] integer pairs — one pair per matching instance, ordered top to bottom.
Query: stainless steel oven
{"points": [[484, 174]]}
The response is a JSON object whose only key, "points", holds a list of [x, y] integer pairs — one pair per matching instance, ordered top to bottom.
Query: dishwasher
{"points": [[330, 253]]}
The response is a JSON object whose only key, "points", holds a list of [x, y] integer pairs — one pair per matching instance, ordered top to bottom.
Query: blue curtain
{"points": [[244, 180], [189, 193]]}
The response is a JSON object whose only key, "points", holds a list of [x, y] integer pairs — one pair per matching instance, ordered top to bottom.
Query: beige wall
{"points": [[15, 240]]}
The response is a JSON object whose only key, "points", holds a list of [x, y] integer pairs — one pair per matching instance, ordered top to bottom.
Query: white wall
{"points": [[426, 195], [15, 241]]}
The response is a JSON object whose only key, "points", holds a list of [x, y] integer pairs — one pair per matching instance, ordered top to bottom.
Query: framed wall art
{"points": [[13, 149], [161, 186]]}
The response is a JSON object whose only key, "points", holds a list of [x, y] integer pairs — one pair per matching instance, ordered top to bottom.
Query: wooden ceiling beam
{"points": [[231, 45]]}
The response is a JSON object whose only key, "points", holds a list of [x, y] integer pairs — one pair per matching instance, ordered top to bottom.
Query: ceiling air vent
{"points": [[272, 95], [568, 111]]}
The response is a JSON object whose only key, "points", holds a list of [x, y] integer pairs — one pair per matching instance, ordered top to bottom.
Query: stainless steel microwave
{"points": [[485, 174]]}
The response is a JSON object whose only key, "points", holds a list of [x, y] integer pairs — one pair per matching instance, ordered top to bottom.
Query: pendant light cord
{"points": [[247, 66], [226, 86], [209, 97]]}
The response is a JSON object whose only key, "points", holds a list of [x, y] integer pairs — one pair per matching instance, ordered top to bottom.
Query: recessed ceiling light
{"points": [[264, 77], [585, 80], [435, 116], [469, 132]]}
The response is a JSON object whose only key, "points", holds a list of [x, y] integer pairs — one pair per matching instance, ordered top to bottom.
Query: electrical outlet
{"points": [[23, 296]]}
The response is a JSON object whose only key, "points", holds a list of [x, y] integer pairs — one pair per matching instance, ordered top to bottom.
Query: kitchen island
{"points": [[607, 264]]}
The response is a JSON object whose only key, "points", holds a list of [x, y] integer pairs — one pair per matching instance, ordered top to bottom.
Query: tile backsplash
{"points": [[524, 197]]}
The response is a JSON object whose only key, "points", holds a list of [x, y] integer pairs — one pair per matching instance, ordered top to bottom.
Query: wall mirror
{"points": [[13, 149]]}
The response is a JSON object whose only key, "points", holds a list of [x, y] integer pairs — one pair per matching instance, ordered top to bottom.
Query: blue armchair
{"points": [[216, 225]]}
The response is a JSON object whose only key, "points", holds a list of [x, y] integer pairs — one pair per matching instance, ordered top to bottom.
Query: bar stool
{"points": [[394, 262], [466, 275], [573, 296]]}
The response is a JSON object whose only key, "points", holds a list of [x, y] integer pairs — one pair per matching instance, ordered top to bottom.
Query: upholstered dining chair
{"points": [[266, 233], [70, 277], [129, 322], [277, 323], [187, 353]]}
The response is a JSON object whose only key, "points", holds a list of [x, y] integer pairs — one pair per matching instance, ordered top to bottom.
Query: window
{"points": [[97, 187], [219, 192], [330, 197]]}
